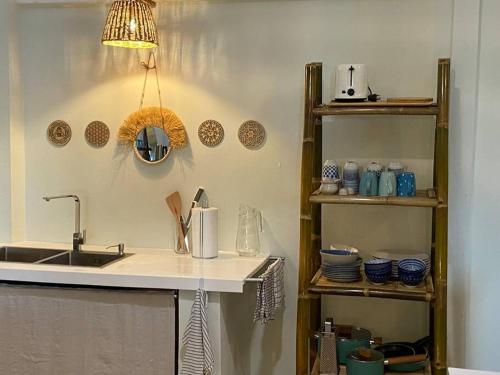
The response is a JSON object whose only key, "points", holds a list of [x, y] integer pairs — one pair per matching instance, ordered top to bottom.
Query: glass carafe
{"points": [[249, 229]]}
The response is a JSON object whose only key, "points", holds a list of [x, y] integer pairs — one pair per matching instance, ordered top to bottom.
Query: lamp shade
{"points": [[130, 24]]}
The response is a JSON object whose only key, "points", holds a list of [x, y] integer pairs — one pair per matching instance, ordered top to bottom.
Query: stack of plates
{"points": [[397, 255], [345, 273]]}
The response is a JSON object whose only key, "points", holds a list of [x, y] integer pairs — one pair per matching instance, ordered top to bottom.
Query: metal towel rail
{"points": [[257, 275]]}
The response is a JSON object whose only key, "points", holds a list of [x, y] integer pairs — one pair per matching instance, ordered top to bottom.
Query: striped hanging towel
{"points": [[270, 292], [198, 358]]}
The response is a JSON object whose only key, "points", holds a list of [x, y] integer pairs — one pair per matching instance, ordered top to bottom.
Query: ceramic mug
{"points": [[374, 166], [396, 167], [330, 170], [351, 171], [369, 184], [387, 184], [406, 184], [331, 187]]}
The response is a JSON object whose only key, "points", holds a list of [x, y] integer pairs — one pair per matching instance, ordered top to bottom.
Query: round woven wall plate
{"points": [[59, 133], [211, 133], [97, 134], [252, 134]]}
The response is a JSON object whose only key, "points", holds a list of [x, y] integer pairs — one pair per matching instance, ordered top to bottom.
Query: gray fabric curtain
{"points": [[52, 331]]}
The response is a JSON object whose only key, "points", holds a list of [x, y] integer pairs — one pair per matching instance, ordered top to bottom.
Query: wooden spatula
{"points": [[174, 202]]}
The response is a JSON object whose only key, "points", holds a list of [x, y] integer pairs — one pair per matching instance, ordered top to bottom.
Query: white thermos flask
{"points": [[205, 232]]}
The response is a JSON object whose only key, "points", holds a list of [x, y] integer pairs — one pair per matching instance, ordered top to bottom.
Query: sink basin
{"points": [[26, 255], [84, 259]]}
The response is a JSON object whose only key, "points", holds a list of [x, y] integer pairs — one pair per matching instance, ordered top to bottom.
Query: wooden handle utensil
{"points": [[174, 202], [405, 359]]}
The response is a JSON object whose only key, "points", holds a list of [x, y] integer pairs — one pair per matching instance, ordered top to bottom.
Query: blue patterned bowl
{"points": [[379, 266], [412, 266], [411, 272], [378, 278], [411, 280]]}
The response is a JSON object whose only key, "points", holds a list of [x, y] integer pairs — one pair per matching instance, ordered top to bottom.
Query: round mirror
{"points": [[152, 145]]}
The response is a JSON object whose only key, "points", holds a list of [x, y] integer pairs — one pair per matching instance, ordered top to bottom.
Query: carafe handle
{"points": [[259, 221]]}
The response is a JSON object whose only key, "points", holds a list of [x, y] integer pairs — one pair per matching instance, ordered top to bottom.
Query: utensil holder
{"points": [[178, 248]]}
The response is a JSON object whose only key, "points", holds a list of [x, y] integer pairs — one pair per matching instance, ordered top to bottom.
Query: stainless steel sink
{"points": [[26, 255], [62, 257], [84, 259]]}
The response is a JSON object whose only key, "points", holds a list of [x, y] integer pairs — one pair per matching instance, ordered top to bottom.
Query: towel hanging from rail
{"points": [[270, 291]]}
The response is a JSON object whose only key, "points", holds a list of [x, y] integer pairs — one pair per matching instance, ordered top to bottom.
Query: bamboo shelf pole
{"points": [[441, 220], [309, 305]]}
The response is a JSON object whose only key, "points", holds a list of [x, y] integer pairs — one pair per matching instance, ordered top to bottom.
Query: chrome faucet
{"points": [[78, 236], [120, 247]]}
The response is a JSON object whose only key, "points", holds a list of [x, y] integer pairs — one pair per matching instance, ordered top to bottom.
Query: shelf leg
{"points": [[441, 220], [309, 306]]}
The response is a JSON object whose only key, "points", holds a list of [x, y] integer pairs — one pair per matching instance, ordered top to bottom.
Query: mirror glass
{"points": [[152, 145]]}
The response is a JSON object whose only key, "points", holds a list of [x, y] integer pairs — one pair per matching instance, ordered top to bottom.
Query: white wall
{"points": [[231, 61], [462, 133], [5, 180], [483, 324]]}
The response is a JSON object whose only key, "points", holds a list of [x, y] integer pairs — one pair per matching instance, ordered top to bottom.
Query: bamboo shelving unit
{"points": [[424, 198], [311, 284], [364, 288], [426, 371]]}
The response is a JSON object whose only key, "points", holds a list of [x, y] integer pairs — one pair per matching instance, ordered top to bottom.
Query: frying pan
{"points": [[397, 349]]}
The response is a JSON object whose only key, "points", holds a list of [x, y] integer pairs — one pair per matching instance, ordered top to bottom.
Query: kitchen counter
{"points": [[146, 268]]}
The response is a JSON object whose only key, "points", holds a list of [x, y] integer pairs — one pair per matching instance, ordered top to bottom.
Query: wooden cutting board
{"points": [[407, 100]]}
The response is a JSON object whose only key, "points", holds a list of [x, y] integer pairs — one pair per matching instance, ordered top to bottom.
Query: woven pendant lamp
{"points": [[130, 24]]}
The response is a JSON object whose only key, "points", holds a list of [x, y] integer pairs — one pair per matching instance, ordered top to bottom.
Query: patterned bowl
{"points": [[338, 257], [380, 266], [412, 266], [411, 272], [378, 278], [411, 280]]}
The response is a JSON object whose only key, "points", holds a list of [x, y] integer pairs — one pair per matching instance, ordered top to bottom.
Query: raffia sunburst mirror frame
{"points": [[162, 118]]}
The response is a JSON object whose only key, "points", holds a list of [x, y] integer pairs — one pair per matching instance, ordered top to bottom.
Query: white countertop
{"points": [[147, 268], [457, 371]]}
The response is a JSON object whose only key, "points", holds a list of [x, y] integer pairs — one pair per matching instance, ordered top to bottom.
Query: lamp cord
{"points": [[149, 67]]}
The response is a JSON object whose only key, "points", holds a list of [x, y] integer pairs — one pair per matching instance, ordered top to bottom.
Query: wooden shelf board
{"points": [[377, 108], [424, 198], [363, 288], [426, 371]]}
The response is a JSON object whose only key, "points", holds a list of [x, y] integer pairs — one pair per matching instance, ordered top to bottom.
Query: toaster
{"points": [[351, 82]]}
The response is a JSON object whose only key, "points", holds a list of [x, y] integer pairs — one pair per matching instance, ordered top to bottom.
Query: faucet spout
{"points": [[78, 237]]}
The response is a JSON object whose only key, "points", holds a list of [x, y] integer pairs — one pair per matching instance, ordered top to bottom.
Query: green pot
{"points": [[360, 338], [347, 346], [357, 366]]}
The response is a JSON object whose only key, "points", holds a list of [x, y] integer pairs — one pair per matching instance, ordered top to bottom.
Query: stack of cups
{"points": [[330, 177], [351, 177]]}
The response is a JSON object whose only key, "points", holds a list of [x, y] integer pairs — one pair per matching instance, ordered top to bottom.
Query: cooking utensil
{"points": [[174, 202], [194, 203], [350, 338], [397, 349], [328, 350], [365, 361]]}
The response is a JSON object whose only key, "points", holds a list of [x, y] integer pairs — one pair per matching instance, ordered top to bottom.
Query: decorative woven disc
{"points": [[59, 133], [211, 133], [97, 134], [252, 134]]}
